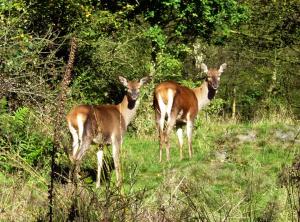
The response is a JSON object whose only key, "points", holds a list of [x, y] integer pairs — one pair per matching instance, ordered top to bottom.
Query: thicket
{"points": [[259, 41]]}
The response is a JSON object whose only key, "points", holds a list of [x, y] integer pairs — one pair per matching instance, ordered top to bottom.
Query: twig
{"points": [[231, 209]]}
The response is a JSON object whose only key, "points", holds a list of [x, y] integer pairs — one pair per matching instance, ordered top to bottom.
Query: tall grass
{"points": [[239, 172]]}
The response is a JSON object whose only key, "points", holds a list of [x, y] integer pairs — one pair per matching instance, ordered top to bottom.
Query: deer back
{"points": [[184, 102], [100, 122]]}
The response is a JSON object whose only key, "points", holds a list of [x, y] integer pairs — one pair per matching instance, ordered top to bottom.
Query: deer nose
{"points": [[214, 85], [135, 95]]}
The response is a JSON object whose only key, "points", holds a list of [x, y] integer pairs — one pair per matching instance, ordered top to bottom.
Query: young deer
{"points": [[181, 105], [103, 125]]}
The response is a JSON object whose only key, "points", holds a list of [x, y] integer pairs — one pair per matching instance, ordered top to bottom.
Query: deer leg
{"points": [[170, 103], [160, 119], [157, 121], [80, 123], [170, 125], [189, 131], [75, 138], [81, 140], [180, 141], [161, 143], [84, 146], [116, 156], [100, 164]]}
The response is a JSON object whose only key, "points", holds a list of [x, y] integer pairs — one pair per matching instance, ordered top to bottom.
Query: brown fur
{"points": [[185, 100], [184, 108], [106, 119], [103, 124]]}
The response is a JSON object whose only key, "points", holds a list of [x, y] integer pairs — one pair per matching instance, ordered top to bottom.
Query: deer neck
{"points": [[204, 93], [128, 109]]}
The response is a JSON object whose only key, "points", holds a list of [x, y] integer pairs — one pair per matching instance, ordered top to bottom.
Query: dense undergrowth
{"points": [[239, 172]]}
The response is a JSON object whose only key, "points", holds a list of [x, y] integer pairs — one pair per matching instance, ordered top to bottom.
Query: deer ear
{"points": [[204, 67], [222, 67], [145, 80], [123, 81]]}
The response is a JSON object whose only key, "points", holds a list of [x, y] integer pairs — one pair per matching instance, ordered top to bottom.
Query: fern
{"points": [[3, 105], [21, 116], [21, 135]]}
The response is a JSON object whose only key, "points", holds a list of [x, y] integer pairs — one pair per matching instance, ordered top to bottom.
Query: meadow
{"points": [[239, 172]]}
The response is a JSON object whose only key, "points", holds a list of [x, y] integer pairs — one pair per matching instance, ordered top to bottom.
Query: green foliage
{"points": [[62, 16], [195, 18], [281, 26], [156, 34], [126, 38], [112, 46], [263, 52], [29, 67], [169, 68], [3, 106], [215, 107], [143, 124], [20, 135]]}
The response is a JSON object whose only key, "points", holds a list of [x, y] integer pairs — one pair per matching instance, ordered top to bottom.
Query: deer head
{"points": [[213, 75], [133, 87]]}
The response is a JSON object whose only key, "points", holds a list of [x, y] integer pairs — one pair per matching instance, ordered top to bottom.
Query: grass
{"points": [[249, 173], [245, 186]]}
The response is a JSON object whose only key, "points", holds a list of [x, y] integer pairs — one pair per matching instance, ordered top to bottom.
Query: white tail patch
{"points": [[170, 103], [163, 111], [80, 122], [75, 137]]}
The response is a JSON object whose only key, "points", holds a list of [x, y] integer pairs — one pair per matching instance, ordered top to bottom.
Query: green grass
{"points": [[265, 152], [250, 172], [243, 187]]}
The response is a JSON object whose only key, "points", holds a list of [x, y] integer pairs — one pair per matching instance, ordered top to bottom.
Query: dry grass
{"points": [[253, 182]]}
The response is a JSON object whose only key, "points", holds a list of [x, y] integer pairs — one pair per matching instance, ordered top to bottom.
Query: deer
{"points": [[180, 106], [104, 125]]}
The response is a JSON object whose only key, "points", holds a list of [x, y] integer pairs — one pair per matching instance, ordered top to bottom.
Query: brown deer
{"points": [[181, 105], [103, 125]]}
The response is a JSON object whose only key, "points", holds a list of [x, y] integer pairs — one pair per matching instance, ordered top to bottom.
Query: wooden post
{"points": [[234, 104]]}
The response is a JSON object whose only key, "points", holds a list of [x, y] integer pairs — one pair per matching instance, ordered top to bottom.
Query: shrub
{"points": [[21, 134]]}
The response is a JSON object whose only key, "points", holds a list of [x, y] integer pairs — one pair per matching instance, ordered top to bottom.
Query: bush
{"points": [[21, 135]]}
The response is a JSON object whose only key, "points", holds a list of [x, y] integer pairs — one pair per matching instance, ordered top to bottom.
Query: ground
{"points": [[237, 173]]}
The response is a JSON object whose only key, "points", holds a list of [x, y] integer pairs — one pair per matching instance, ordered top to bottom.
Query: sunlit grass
{"points": [[244, 183]]}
